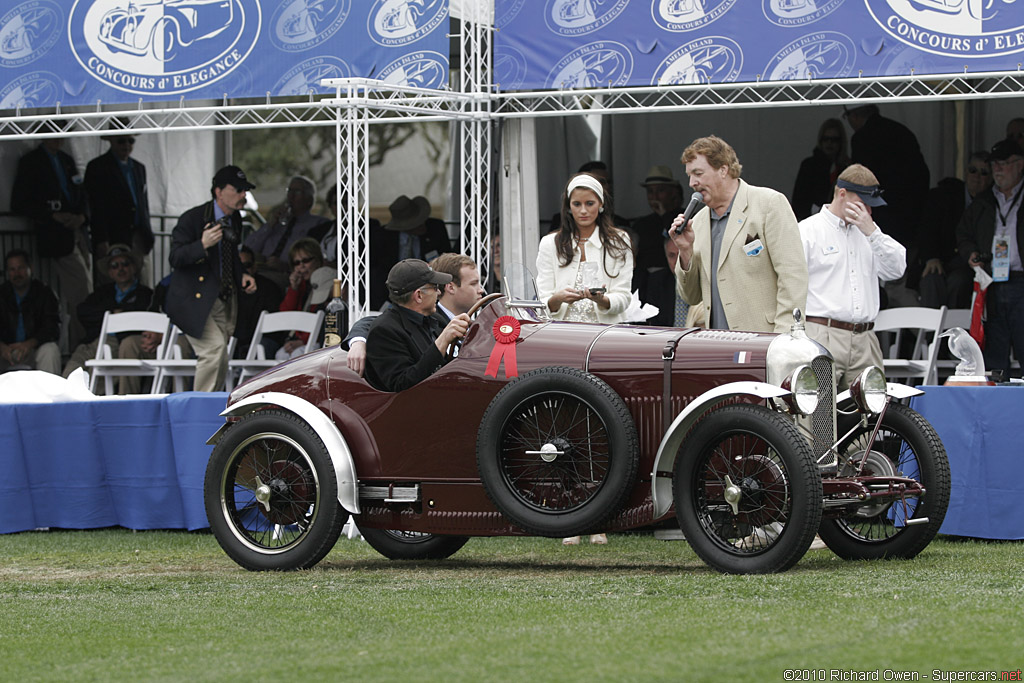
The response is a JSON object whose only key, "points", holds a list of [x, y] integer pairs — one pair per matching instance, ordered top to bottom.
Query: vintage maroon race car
{"points": [[600, 428]]}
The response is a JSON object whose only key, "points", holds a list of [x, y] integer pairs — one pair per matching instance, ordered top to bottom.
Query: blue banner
{"points": [[558, 44], [118, 51]]}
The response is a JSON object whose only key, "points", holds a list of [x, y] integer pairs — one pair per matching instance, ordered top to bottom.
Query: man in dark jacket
{"points": [[48, 190], [411, 233], [123, 293], [202, 299], [29, 320], [404, 347]]}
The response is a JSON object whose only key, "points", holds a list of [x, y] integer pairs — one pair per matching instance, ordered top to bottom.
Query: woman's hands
{"points": [[570, 295]]}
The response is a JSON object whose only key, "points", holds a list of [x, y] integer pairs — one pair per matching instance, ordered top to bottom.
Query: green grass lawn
{"points": [[117, 605]]}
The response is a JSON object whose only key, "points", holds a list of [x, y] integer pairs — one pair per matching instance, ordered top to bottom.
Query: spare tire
{"points": [[557, 452]]}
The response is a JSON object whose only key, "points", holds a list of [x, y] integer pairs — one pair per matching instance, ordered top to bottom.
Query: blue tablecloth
{"points": [[981, 430], [133, 463]]}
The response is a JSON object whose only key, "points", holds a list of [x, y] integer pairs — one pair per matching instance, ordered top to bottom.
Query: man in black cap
{"points": [[991, 234], [847, 254], [202, 298], [404, 346]]}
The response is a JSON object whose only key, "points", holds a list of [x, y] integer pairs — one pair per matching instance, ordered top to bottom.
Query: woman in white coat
{"points": [[586, 240]]}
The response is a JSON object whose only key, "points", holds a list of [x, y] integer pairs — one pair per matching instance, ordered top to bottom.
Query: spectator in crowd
{"points": [[1015, 131], [891, 150], [818, 173], [48, 189], [665, 197], [119, 202], [292, 221], [326, 233], [411, 233], [991, 234], [587, 242], [847, 254], [741, 255], [946, 279], [660, 290], [124, 292], [304, 293], [267, 297], [202, 298], [29, 319], [404, 345]]}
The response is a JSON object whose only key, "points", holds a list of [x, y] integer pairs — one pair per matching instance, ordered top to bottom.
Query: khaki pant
{"points": [[131, 347], [211, 348], [84, 352], [852, 352], [45, 357]]}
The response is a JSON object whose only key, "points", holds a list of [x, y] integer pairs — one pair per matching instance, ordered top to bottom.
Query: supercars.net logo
{"points": [[953, 28], [162, 46]]}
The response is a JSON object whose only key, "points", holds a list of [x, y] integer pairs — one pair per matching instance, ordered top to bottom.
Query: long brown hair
{"points": [[612, 238]]}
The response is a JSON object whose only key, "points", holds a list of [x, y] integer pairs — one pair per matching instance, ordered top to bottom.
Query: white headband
{"points": [[587, 181]]}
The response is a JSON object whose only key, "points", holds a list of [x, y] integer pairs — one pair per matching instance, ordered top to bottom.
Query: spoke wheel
{"points": [[907, 446], [557, 452], [747, 492], [270, 494], [412, 545]]}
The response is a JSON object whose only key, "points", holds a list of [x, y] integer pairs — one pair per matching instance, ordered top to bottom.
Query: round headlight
{"points": [[803, 384], [869, 390]]}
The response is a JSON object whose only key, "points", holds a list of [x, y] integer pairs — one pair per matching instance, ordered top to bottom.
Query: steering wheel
{"points": [[473, 310]]}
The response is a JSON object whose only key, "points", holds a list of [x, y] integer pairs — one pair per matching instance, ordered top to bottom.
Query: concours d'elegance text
{"points": [[896, 675]]}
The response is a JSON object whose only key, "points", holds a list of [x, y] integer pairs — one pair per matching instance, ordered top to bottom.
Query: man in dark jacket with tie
{"points": [[202, 298]]}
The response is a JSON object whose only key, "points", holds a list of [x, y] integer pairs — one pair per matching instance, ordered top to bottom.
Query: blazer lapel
{"points": [[736, 225]]}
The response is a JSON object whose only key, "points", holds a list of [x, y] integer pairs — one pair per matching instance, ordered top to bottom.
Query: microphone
{"points": [[695, 205]]}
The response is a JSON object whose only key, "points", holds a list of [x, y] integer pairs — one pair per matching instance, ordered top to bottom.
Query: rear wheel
{"points": [[907, 446], [412, 545]]}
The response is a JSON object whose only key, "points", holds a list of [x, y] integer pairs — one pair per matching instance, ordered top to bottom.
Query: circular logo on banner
{"points": [[507, 12], [791, 13], [687, 15], [576, 17], [399, 22], [301, 24], [953, 28], [28, 31], [154, 47], [817, 55], [714, 59], [595, 65], [509, 67], [423, 69], [306, 77], [37, 89]]}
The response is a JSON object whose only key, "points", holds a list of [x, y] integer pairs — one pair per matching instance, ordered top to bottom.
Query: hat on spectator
{"points": [[119, 127], [1003, 150], [232, 175], [659, 175], [407, 214], [121, 250], [412, 273], [321, 283]]}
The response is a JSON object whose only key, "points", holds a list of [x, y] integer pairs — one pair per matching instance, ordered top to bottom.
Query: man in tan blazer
{"points": [[741, 255]]}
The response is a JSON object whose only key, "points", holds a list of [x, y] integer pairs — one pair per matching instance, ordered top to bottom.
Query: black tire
{"points": [[906, 445], [761, 455], [584, 479], [300, 520], [411, 545]]}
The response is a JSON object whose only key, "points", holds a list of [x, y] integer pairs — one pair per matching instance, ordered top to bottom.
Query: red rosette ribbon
{"points": [[506, 332]]}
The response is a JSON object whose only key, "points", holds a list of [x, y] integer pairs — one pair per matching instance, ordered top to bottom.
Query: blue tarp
{"points": [[560, 44], [119, 51]]}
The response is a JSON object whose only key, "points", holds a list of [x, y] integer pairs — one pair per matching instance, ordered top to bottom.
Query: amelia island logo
{"points": [[791, 13], [687, 15], [576, 17], [392, 23], [302, 24], [953, 28], [28, 31], [139, 46], [819, 55], [714, 59], [602, 64], [423, 69], [305, 78], [36, 89]]}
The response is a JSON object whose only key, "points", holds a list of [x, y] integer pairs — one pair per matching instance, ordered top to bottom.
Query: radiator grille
{"points": [[823, 419]]}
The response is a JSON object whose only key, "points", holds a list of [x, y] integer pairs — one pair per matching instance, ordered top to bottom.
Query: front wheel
{"points": [[907, 446], [270, 492], [747, 492], [412, 545]]}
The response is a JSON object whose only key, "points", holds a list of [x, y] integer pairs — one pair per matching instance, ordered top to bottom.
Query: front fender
{"points": [[892, 389], [337, 447], [664, 462]]}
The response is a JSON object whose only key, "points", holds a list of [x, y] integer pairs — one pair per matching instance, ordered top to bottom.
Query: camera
{"points": [[227, 228], [985, 258]]}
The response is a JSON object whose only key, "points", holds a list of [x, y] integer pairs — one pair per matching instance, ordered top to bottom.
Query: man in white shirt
{"points": [[847, 254]]}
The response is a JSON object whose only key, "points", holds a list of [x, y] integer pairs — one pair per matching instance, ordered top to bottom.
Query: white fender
{"points": [[897, 391], [337, 447], [664, 462]]}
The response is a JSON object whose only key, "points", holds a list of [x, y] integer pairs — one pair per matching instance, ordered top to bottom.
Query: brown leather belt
{"points": [[856, 328]]}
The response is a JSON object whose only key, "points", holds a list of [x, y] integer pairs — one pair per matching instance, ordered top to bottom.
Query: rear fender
{"points": [[337, 447], [664, 462]]}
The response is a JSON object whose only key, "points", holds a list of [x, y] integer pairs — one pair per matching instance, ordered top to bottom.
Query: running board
{"points": [[390, 494]]}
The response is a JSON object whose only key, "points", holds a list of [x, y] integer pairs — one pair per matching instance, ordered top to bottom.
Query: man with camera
{"points": [[202, 298]]}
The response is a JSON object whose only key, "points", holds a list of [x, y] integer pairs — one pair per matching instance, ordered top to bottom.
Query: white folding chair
{"points": [[955, 317], [919, 322], [255, 360], [174, 365], [108, 367]]}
